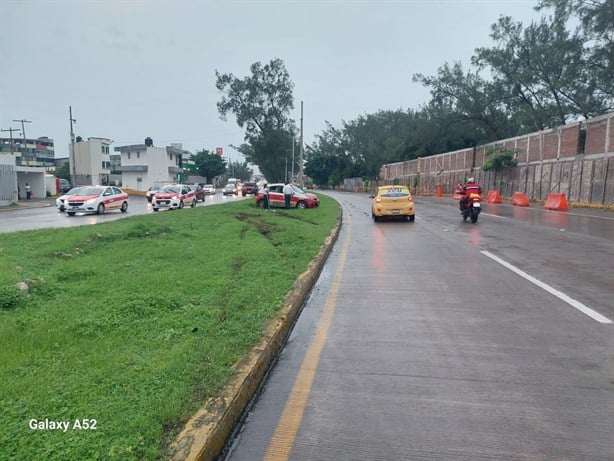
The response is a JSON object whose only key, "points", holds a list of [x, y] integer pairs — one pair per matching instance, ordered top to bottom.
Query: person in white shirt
{"points": [[288, 193], [265, 194]]}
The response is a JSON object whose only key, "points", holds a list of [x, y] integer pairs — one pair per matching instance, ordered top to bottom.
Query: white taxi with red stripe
{"points": [[173, 196], [97, 199]]}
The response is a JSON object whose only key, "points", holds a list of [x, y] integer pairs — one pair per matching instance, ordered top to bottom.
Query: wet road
{"points": [[37, 218], [440, 339]]}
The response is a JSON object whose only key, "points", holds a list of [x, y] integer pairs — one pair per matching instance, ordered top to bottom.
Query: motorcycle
{"points": [[472, 207]]}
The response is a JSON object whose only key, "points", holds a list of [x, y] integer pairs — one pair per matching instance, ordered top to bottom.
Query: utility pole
{"points": [[23, 128], [10, 130], [293, 143], [302, 152], [72, 157]]}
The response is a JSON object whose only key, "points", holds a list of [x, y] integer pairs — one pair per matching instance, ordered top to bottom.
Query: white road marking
{"points": [[572, 302]]}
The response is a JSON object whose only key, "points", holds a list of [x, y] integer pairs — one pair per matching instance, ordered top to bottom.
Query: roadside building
{"points": [[24, 160], [90, 162], [143, 165]]}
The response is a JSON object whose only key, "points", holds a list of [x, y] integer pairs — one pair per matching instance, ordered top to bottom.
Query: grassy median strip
{"points": [[112, 335]]}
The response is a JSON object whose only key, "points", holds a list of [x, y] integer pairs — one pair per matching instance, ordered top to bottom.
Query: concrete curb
{"points": [[206, 433]]}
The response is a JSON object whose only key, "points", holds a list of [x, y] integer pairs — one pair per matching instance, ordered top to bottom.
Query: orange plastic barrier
{"points": [[439, 191], [493, 196], [520, 199], [556, 202]]}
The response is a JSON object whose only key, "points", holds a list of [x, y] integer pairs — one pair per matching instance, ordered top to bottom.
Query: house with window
{"points": [[89, 161], [143, 165]]}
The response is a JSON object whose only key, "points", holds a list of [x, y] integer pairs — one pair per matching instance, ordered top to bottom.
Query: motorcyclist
{"points": [[468, 189]]}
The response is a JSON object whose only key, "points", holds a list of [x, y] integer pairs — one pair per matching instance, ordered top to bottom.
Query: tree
{"points": [[596, 26], [544, 68], [261, 103], [468, 103], [497, 158], [208, 164], [240, 170], [63, 172]]}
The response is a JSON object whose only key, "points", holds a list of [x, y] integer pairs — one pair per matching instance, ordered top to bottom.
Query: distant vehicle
{"points": [[64, 185], [248, 188], [209, 189], [230, 189], [151, 191], [200, 193], [174, 196], [97, 199], [300, 199], [60, 202], [393, 202]]}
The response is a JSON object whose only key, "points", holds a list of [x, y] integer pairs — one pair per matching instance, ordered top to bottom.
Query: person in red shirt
{"points": [[470, 187]]}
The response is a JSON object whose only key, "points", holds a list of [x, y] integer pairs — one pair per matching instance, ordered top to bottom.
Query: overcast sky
{"points": [[132, 69]]}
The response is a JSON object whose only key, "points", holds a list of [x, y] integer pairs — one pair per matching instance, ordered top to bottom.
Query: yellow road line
{"points": [[285, 433]]}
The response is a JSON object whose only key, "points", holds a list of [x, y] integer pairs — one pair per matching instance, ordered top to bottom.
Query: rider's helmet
{"points": [[471, 180]]}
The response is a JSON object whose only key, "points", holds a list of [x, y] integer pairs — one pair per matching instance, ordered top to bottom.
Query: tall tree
{"points": [[596, 27], [543, 67], [467, 101], [261, 103], [208, 164], [240, 170]]}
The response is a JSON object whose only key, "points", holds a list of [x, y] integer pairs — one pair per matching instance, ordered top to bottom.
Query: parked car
{"points": [[64, 185], [248, 188], [209, 189], [230, 189], [151, 191], [200, 193], [173, 196], [97, 199], [300, 199], [60, 202], [393, 202]]}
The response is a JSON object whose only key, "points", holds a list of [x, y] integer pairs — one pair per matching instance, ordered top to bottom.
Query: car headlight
{"points": [[90, 201]]}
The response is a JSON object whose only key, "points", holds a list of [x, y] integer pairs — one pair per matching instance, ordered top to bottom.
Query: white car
{"points": [[209, 189], [174, 196], [97, 199], [60, 202]]}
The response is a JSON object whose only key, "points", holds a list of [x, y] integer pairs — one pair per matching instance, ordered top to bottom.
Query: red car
{"points": [[248, 188], [174, 196], [300, 199]]}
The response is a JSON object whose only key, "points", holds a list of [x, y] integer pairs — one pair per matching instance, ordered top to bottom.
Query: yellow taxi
{"points": [[392, 202]]}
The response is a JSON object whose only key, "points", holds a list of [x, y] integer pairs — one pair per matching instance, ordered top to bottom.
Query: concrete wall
{"points": [[575, 160]]}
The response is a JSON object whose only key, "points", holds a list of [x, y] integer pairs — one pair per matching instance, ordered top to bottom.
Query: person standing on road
{"points": [[28, 191], [288, 193], [265, 196]]}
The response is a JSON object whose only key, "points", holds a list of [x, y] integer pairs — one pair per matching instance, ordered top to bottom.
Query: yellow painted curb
{"points": [[205, 434]]}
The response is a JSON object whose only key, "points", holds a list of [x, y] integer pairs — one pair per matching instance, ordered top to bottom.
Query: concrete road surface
{"points": [[445, 340]]}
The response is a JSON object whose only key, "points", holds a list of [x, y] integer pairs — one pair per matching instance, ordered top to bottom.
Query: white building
{"points": [[90, 163], [143, 165]]}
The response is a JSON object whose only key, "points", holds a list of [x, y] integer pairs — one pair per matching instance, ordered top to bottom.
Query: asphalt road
{"points": [[43, 214], [445, 340]]}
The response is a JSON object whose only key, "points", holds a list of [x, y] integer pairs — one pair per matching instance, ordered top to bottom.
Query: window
{"points": [[128, 155], [138, 155]]}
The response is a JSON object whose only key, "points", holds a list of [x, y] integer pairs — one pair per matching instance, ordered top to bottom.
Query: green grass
{"points": [[136, 323]]}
